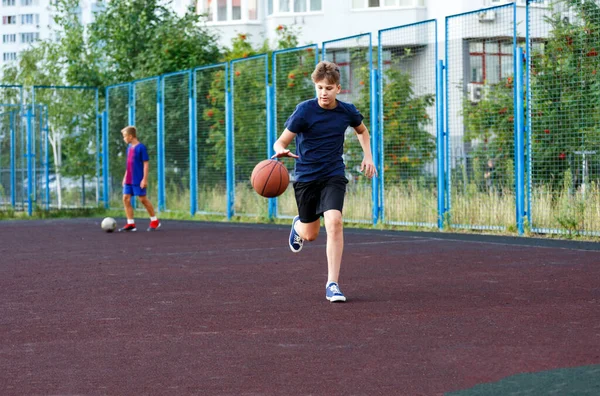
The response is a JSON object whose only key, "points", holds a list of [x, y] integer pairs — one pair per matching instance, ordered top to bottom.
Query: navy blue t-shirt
{"points": [[320, 138]]}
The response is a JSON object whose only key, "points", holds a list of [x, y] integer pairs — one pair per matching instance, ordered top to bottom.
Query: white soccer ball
{"points": [[109, 224]]}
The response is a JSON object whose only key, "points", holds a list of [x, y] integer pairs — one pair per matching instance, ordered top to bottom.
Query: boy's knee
{"points": [[127, 199], [334, 224], [311, 235]]}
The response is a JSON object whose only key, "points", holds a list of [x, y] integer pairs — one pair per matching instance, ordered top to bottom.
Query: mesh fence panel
{"points": [[353, 56], [407, 63], [293, 84], [211, 85], [176, 91], [480, 111], [564, 116], [118, 118], [10, 119], [146, 123], [9, 125], [249, 130], [72, 134], [39, 149], [20, 161]]}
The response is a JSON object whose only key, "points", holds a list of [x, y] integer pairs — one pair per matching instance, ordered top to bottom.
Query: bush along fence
{"points": [[501, 134]]}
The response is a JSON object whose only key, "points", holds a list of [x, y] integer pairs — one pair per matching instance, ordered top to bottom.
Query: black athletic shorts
{"points": [[316, 197]]}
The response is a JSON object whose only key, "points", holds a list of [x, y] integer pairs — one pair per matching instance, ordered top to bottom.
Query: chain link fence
{"points": [[354, 56], [407, 60], [292, 84], [480, 117], [445, 134]]}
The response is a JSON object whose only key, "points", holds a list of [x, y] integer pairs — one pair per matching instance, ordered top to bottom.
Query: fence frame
{"points": [[447, 103], [272, 106], [373, 119], [231, 134]]}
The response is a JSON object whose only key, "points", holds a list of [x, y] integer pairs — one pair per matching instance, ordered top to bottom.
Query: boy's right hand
{"points": [[284, 153]]}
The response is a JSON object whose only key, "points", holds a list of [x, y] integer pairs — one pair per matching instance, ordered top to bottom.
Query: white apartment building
{"points": [[323, 20], [23, 23]]}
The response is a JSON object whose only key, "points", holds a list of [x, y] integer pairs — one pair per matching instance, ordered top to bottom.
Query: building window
{"points": [[29, 2], [8, 3], [360, 4], [294, 6], [228, 10], [236, 10], [253, 10], [30, 19], [9, 20], [29, 37], [9, 38], [9, 56], [490, 60]]}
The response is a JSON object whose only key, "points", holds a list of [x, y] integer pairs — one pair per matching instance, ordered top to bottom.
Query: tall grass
{"points": [[482, 209], [569, 210]]}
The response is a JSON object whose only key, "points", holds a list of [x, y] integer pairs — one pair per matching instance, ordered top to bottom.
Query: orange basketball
{"points": [[270, 178]]}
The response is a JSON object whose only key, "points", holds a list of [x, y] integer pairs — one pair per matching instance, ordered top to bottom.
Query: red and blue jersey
{"points": [[136, 156]]}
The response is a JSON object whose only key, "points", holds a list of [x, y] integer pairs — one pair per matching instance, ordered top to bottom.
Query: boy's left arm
{"points": [[367, 165], [144, 181]]}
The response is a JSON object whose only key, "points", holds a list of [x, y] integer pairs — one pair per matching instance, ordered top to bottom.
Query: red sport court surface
{"points": [[227, 309]]}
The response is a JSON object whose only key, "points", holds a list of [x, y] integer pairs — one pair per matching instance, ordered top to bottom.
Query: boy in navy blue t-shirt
{"points": [[319, 126], [135, 179]]}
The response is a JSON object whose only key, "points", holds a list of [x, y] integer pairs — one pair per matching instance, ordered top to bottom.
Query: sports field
{"points": [[227, 309]]}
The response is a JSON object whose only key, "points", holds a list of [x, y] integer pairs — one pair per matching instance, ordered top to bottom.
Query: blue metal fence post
{"points": [[131, 102], [528, 104], [39, 116], [131, 120], [446, 122], [375, 136], [29, 137], [229, 140], [270, 140], [519, 141], [193, 144], [31, 147], [160, 148], [381, 148], [98, 151], [99, 154], [46, 156], [105, 156], [13, 164], [441, 174]]}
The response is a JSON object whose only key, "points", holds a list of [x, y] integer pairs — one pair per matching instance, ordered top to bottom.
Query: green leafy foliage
{"points": [[293, 86], [565, 112], [489, 126]]}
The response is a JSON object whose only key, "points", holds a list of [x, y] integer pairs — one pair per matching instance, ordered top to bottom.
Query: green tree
{"points": [[129, 39], [293, 85], [566, 95], [565, 112], [489, 126], [408, 145]]}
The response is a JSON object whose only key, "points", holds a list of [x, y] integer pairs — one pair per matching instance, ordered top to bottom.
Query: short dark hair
{"points": [[326, 70], [130, 130]]}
